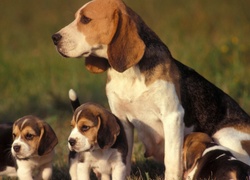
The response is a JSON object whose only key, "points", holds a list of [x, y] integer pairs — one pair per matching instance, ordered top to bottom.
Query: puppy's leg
{"points": [[174, 133], [237, 142], [73, 161], [24, 171], [83, 171], [45, 172], [119, 172], [105, 177]]}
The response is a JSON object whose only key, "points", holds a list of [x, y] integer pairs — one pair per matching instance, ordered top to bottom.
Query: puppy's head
{"points": [[106, 33], [93, 127], [32, 137], [194, 145]]}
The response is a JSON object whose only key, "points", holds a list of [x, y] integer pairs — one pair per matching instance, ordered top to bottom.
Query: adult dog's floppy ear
{"points": [[126, 48], [96, 64], [108, 130], [48, 139]]}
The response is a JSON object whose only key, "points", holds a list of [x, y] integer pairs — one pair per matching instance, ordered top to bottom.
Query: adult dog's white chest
{"points": [[145, 106]]}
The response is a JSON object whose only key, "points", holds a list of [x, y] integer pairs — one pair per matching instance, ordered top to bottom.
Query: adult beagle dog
{"points": [[148, 89], [97, 141], [33, 148], [204, 159], [7, 162]]}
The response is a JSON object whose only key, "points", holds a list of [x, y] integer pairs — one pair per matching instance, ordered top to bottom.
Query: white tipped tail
{"points": [[74, 99]]}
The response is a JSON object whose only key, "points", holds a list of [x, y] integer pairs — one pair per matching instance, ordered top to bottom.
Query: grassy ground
{"points": [[210, 36]]}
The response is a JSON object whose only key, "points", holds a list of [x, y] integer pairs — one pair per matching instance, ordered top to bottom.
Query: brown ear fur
{"points": [[126, 48], [96, 64], [108, 131], [48, 139], [194, 145], [193, 153]]}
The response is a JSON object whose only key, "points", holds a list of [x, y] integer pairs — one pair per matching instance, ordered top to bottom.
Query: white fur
{"points": [[72, 95], [154, 110], [231, 139], [82, 143], [218, 147], [25, 150], [103, 162], [9, 171], [191, 174]]}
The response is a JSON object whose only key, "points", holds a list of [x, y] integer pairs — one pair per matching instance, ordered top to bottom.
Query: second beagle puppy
{"points": [[34, 141], [97, 141], [204, 159]]}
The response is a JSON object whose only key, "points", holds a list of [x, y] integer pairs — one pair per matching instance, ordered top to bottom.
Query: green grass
{"points": [[212, 37]]}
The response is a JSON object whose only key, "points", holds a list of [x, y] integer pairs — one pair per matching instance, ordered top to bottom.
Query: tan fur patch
{"points": [[101, 21], [243, 128], [91, 133], [246, 146], [232, 175]]}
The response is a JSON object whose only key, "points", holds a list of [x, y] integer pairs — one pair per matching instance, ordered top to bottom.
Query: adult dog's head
{"points": [[106, 33], [93, 128], [32, 137]]}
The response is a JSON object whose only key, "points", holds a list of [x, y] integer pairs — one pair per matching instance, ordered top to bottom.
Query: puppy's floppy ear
{"points": [[126, 48], [108, 130], [48, 139], [194, 146], [192, 153]]}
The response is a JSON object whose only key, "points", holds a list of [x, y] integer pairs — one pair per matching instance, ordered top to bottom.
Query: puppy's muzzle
{"points": [[56, 38], [72, 142], [17, 148]]}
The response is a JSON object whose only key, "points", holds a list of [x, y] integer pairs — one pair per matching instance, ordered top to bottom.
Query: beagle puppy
{"points": [[148, 89], [97, 141], [33, 148], [204, 159], [7, 162]]}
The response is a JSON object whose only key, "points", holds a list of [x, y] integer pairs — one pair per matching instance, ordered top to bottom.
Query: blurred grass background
{"points": [[210, 36]]}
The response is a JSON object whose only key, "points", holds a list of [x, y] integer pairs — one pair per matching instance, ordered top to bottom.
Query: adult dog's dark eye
{"points": [[85, 20], [85, 128], [29, 136]]}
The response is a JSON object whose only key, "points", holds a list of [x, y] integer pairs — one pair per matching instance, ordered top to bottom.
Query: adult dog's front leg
{"points": [[173, 132]]}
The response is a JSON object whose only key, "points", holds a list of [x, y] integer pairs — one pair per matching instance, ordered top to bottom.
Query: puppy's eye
{"points": [[85, 20], [85, 128], [14, 136], [29, 136]]}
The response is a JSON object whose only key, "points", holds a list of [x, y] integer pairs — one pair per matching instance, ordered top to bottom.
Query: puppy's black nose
{"points": [[56, 38], [72, 142], [17, 148]]}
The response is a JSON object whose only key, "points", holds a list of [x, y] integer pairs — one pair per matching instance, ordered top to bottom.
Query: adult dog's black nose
{"points": [[56, 38], [72, 142], [17, 148]]}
